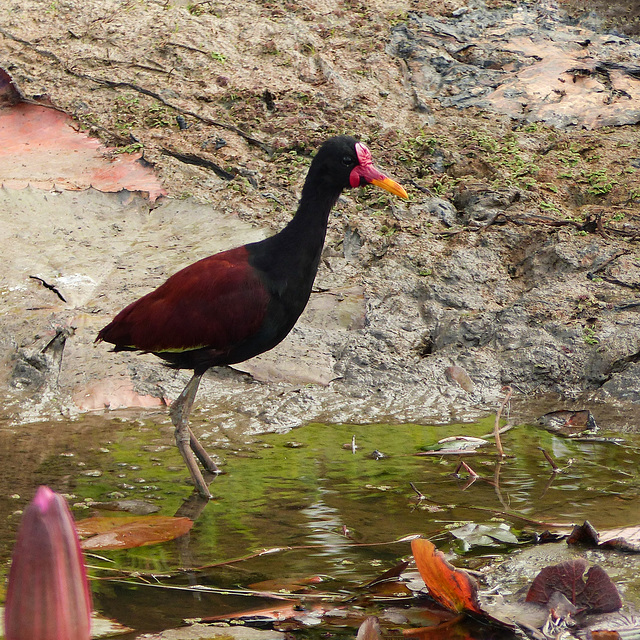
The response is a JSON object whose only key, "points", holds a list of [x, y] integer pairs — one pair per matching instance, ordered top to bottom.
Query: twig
{"points": [[189, 48], [156, 96], [192, 158], [419, 187], [589, 226], [607, 262], [620, 283], [51, 287], [507, 427], [496, 429], [550, 460], [462, 464], [496, 484], [421, 495], [503, 514]]}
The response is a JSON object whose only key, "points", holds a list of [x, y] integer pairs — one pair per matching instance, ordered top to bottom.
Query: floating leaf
{"points": [[454, 445], [128, 532], [475, 535], [388, 575], [288, 585], [453, 588], [390, 590], [597, 595], [279, 611], [454, 629]]}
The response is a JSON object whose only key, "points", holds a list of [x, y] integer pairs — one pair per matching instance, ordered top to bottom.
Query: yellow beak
{"points": [[391, 186]]}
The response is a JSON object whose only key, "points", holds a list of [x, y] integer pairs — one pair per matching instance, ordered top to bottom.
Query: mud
{"points": [[516, 258]]}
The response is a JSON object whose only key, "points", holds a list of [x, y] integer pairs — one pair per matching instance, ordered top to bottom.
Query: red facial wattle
{"points": [[366, 173]]}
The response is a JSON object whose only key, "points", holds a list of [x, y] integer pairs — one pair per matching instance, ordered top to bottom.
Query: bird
{"points": [[234, 305]]}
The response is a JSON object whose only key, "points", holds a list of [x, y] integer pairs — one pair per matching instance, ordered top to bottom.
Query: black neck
{"points": [[309, 224], [294, 253]]}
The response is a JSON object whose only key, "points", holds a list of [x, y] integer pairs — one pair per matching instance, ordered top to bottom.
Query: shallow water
{"points": [[305, 489]]}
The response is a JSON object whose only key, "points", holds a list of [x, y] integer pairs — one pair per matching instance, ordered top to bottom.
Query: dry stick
{"points": [[156, 96], [192, 158], [532, 221], [606, 263], [51, 287], [496, 429], [550, 460], [463, 465], [469, 470], [496, 484], [547, 486], [420, 494]]}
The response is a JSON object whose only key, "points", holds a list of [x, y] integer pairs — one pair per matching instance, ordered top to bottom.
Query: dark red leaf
{"points": [[584, 534], [600, 594], [597, 595]]}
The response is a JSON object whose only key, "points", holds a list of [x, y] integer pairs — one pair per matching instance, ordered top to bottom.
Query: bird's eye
{"points": [[347, 161]]}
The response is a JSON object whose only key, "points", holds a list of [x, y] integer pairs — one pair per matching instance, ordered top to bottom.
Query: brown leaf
{"points": [[569, 423], [127, 532], [584, 534], [624, 539], [453, 588], [390, 589], [597, 595], [278, 612], [369, 629]]}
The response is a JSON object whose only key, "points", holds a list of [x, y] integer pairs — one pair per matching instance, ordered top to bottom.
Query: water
{"points": [[306, 491]]}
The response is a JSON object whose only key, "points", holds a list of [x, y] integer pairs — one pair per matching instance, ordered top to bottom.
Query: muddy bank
{"points": [[516, 258]]}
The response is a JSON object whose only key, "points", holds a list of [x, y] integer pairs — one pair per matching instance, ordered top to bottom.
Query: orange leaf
{"points": [[125, 532], [453, 588]]}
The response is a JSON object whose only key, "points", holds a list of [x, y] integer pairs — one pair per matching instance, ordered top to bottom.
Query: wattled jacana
{"points": [[236, 304]]}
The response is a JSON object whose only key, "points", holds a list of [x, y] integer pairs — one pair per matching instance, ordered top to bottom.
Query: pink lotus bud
{"points": [[48, 594]]}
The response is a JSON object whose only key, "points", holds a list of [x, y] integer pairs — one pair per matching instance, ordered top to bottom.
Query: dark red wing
{"points": [[217, 302]]}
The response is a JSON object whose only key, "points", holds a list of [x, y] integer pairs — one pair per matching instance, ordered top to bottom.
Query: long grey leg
{"points": [[186, 441]]}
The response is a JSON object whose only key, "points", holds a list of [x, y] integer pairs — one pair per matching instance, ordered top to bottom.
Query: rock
{"points": [[443, 210]]}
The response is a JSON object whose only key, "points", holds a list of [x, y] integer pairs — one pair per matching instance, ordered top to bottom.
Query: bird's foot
{"points": [[183, 440], [202, 455]]}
